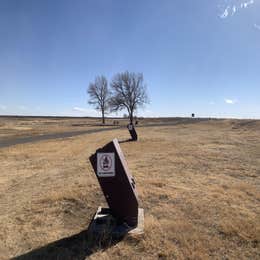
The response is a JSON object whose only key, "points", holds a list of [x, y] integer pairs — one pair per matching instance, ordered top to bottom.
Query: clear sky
{"points": [[199, 57]]}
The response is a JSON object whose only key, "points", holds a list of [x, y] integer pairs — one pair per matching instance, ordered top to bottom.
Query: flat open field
{"points": [[14, 127], [198, 182]]}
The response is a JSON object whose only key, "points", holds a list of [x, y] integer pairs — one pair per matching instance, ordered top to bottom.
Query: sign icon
{"points": [[130, 127], [132, 132], [105, 164]]}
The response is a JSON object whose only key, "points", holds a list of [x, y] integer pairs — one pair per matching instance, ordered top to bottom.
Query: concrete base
{"points": [[104, 225], [139, 230]]}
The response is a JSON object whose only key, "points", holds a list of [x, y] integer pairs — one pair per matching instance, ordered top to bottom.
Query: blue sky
{"points": [[199, 57]]}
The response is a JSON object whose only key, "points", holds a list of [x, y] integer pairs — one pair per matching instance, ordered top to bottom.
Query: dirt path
{"points": [[30, 139]]}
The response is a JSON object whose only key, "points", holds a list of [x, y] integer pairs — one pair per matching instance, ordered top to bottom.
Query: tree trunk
{"points": [[103, 117], [131, 117]]}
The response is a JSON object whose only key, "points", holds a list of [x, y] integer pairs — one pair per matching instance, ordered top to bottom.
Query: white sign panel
{"points": [[130, 127], [106, 164]]}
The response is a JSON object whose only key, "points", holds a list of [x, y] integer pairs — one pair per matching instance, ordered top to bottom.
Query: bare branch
{"points": [[128, 92], [99, 95]]}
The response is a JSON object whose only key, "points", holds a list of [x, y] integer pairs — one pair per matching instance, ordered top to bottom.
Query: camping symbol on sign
{"points": [[106, 164]]}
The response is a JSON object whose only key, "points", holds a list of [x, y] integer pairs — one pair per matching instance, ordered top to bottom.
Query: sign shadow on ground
{"points": [[78, 246]]}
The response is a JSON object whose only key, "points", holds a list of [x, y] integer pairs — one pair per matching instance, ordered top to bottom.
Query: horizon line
{"points": [[138, 117]]}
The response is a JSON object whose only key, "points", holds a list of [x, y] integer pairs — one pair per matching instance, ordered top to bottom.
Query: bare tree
{"points": [[128, 92], [99, 95]]}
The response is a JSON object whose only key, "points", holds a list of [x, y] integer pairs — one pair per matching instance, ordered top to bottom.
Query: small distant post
{"points": [[192, 115], [132, 131]]}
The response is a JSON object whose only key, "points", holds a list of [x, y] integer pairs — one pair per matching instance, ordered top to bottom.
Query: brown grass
{"points": [[11, 127], [198, 184]]}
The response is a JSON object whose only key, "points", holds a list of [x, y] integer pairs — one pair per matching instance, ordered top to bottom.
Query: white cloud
{"points": [[246, 4], [234, 9], [230, 11], [225, 13], [257, 26], [230, 101], [3, 107], [22, 107], [79, 109], [85, 111], [147, 112]]}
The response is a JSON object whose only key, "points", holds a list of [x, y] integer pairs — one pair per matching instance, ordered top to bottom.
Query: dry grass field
{"points": [[11, 127], [199, 185]]}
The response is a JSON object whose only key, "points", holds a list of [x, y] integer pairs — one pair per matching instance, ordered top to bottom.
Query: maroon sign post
{"points": [[117, 183]]}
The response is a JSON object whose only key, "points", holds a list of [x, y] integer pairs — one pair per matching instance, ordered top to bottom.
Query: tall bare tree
{"points": [[128, 92], [99, 95]]}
